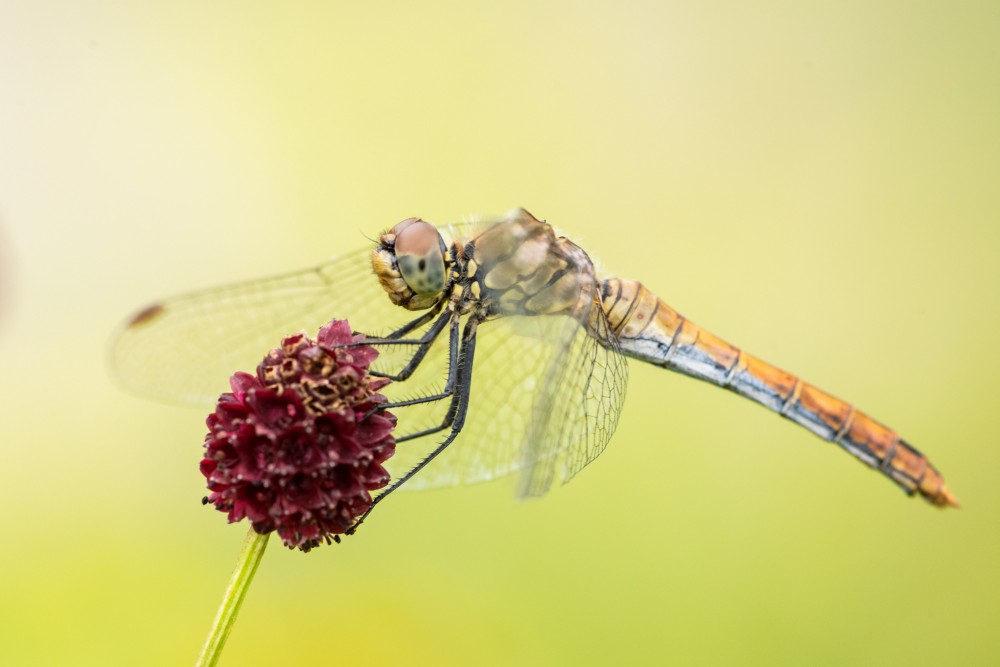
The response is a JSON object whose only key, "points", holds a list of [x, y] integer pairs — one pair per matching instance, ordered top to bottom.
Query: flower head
{"points": [[298, 448]]}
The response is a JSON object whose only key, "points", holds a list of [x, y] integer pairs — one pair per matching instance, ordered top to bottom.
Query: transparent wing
{"points": [[184, 349], [512, 355], [546, 396], [573, 420]]}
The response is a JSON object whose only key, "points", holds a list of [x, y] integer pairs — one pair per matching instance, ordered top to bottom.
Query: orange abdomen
{"points": [[650, 330]]}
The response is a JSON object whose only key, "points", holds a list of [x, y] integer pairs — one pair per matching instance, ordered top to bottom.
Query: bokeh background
{"points": [[817, 182]]}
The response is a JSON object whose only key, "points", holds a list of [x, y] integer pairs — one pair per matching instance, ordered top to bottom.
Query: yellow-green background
{"points": [[818, 182]]}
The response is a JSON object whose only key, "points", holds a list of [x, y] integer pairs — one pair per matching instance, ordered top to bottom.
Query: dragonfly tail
{"points": [[650, 330]]}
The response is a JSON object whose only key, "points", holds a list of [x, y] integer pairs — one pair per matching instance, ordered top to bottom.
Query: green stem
{"points": [[246, 567]]}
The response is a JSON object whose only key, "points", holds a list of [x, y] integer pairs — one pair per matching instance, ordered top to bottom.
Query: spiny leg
{"points": [[415, 323], [395, 338], [423, 344], [449, 385], [449, 390], [456, 412]]}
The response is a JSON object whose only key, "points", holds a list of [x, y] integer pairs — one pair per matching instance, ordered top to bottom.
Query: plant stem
{"points": [[246, 567]]}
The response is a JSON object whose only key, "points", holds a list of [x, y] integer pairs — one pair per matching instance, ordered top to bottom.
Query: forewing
{"points": [[184, 349]]}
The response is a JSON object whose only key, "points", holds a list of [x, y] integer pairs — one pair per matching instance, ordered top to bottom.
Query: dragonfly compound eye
{"points": [[420, 256]]}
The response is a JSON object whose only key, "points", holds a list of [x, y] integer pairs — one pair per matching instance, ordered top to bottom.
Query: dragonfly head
{"points": [[409, 261]]}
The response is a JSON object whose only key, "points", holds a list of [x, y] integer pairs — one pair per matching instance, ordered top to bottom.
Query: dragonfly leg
{"points": [[415, 323], [423, 347], [447, 391], [456, 415]]}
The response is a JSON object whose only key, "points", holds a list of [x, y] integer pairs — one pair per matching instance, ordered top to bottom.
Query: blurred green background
{"points": [[816, 182]]}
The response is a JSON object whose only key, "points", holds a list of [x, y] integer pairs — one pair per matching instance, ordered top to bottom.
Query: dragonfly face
{"points": [[409, 262]]}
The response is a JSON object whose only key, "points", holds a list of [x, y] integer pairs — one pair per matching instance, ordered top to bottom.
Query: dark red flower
{"points": [[291, 449]]}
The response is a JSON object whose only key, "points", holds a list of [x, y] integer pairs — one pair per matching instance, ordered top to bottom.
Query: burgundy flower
{"points": [[294, 448]]}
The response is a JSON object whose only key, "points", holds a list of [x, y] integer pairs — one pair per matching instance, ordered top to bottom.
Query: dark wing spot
{"points": [[146, 314]]}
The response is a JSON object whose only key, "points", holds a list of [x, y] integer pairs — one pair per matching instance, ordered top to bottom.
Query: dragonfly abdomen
{"points": [[650, 330]]}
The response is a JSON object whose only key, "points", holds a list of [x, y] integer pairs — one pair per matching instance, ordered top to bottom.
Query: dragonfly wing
{"points": [[183, 349], [511, 355], [545, 399], [575, 416]]}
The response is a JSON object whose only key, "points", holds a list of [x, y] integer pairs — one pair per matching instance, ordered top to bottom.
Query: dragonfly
{"points": [[500, 334]]}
